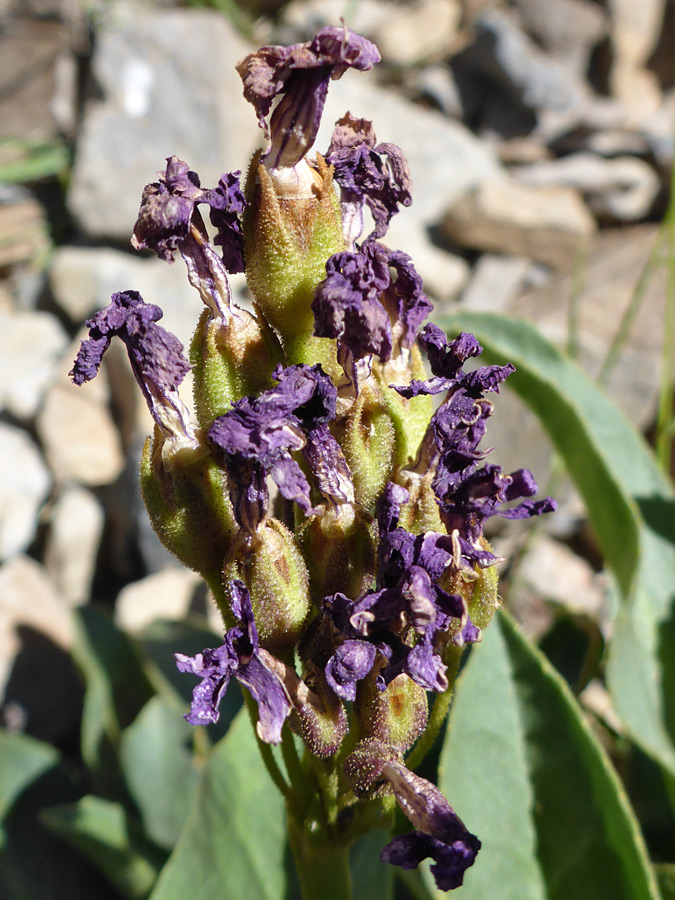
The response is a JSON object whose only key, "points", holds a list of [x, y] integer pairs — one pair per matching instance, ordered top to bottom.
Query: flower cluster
{"points": [[335, 514]]}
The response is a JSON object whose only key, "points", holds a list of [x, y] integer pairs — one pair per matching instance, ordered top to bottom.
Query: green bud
{"points": [[290, 229], [231, 358], [368, 441], [186, 499], [340, 547], [272, 568], [484, 600], [397, 716], [363, 768]]}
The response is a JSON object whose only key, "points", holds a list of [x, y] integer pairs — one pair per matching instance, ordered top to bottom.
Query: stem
{"points": [[664, 437], [439, 712], [268, 759], [323, 869]]}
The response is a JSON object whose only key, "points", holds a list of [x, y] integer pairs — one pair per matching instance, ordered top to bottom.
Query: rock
{"points": [[301, 19], [570, 29], [422, 30], [634, 31], [35, 69], [508, 82], [436, 84], [169, 86], [657, 129], [622, 189], [550, 225], [23, 226], [495, 282], [605, 287], [31, 346], [80, 440], [24, 486], [76, 526], [560, 576], [164, 595], [37, 678]]}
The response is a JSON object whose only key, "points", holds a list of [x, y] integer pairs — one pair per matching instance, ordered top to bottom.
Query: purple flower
{"points": [[300, 73], [367, 172], [168, 219], [361, 306], [156, 356], [259, 434], [239, 656], [440, 834]]}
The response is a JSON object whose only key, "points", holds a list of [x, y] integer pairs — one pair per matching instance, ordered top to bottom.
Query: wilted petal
{"points": [[351, 662]]}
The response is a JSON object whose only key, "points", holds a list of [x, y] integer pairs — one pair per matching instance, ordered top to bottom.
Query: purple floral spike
{"points": [[300, 73], [367, 172], [169, 210], [156, 357], [259, 434], [241, 657], [440, 834]]}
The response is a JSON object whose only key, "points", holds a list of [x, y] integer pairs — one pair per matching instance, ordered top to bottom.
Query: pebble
{"points": [[419, 31], [168, 86], [549, 225], [495, 282], [31, 346], [24, 486], [75, 529], [164, 595]]}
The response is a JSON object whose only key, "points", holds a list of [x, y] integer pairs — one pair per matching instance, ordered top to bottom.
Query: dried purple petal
{"points": [[301, 74], [377, 175], [241, 657], [350, 663], [440, 833]]}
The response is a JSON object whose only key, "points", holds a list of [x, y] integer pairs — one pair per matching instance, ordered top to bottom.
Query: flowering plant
{"points": [[334, 511]]}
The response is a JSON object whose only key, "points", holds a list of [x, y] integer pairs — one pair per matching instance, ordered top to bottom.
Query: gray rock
{"points": [[301, 19], [568, 28], [415, 32], [436, 83], [169, 86], [622, 189], [549, 225], [495, 282], [603, 290], [31, 346], [80, 440], [24, 486], [76, 526], [165, 595]]}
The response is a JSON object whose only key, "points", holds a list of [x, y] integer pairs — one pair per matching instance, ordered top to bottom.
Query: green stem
{"points": [[439, 711], [268, 759], [323, 868]]}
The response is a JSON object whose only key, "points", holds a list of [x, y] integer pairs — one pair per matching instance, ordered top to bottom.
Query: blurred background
{"points": [[540, 140]]}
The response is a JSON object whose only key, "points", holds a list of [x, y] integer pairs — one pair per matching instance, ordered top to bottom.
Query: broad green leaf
{"points": [[23, 160], [632, 508], [116, 687], [156, 755], [22, 761], [523, 769], [103, 832], [234, 841], [666, 877], [371, 879]]}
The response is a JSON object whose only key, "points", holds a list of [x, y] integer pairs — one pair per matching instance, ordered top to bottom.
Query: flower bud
{"points": [[291, 226], [230, 358], [368, 442], [186, 499], [340, 547], [272, 568], [396, 716], [364, 766]]}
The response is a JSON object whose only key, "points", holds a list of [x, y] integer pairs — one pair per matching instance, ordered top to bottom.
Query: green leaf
{"points": [[23, 160], [631, 506], [116, 687], [156, 755], [22, 761], [523, 769], [104, 833], [234, 841], [665, 874], [371, 879]]}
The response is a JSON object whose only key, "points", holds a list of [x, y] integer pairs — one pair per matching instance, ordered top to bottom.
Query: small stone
{"points": [[301, 19], [570, 29], [413, 33], [436, 84], [169, 86], [622, 189], [550, 225], [23, 226], [495, 282], [31, 346], [80, 440], [24, 486], [76, 526], [560, 576], [164, 595]]}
